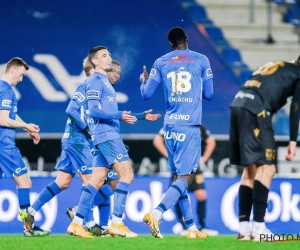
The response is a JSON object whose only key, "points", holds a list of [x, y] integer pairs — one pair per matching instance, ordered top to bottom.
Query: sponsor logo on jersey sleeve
{"points": [[152, 72], [208, 72], [92, 94], [80, 97], [6, 103]]}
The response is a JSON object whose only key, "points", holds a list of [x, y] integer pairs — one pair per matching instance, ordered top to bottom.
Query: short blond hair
{"points": [[87, 66]]}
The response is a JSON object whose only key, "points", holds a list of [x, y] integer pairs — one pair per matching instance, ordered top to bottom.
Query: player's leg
{"points": [[243, 144], [117, 157], [183, 157], [265, 159], [81, 161], [12, 165], [125, 172], [65, 174], [61, 183], [262, 183], [24, 184], [198, 188], [86, 201], [245, 201], [104, 208], [178, 211]]}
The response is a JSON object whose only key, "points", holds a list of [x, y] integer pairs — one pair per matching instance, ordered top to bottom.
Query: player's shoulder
{"points": [[199, 55], [290, 65], [94, 79], [82, 84], [5, 87]]}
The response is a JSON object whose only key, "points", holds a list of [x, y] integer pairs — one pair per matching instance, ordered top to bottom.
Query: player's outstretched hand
{"points": [[144, 76], [126, 117], [151, 117], [32, 128], [35, 137], [291, 151]]}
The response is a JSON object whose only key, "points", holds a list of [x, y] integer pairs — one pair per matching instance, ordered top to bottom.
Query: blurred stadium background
{"points": [[53, 37]]}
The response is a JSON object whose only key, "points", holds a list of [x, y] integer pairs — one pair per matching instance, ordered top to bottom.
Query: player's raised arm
{"points": [[149, 84]]}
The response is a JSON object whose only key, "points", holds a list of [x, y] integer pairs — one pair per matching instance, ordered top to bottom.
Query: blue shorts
{"points": [[183, 145], [107, 153], [75, 158], [11, 163], [112, 175]]}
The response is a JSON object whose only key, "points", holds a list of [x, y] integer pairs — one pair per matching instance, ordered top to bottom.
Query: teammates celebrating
{"points": [[93, 123]]}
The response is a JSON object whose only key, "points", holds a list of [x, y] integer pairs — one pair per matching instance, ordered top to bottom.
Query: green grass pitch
{"points": [[169, 242]]}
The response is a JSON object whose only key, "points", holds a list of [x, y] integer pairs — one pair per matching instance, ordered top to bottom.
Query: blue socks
{"points": [[103, 194], [46, 195], [172, 196], [99, 197], [120, 198], [24, 199], [102, 200], [86, 203], [186, 209], [104, 212]]}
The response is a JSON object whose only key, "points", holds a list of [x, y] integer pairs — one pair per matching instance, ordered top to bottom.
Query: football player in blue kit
{"points": [[186, 77], [110, 151], [75, 158], [11, 163], [112, 177]]}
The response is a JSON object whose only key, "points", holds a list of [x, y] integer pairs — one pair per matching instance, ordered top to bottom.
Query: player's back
{"points": [[182, 73], [269, 87], [8, 101]]}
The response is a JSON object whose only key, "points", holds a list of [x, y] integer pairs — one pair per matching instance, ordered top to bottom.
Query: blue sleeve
{"points": [[206, 69], [148, 88], [208, 90], [93, 94], [79, 95], [6, 97], [73, 110], [97, 112]]}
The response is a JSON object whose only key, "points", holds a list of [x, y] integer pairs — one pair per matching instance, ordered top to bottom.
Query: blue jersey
{"points": [[182, 73], [8, 101], [102, 109], [73, 131]]}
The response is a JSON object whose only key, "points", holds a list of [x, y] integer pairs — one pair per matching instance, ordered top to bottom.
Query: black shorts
{"points": [[251, 138], [198, 181]]}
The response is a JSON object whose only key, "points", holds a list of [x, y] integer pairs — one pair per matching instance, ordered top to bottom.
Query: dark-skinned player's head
{"points": [[176, 37], [114, 74]]}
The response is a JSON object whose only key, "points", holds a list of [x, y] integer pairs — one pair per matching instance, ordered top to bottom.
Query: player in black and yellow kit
{"points": [[252, 142], [197, 186]]}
